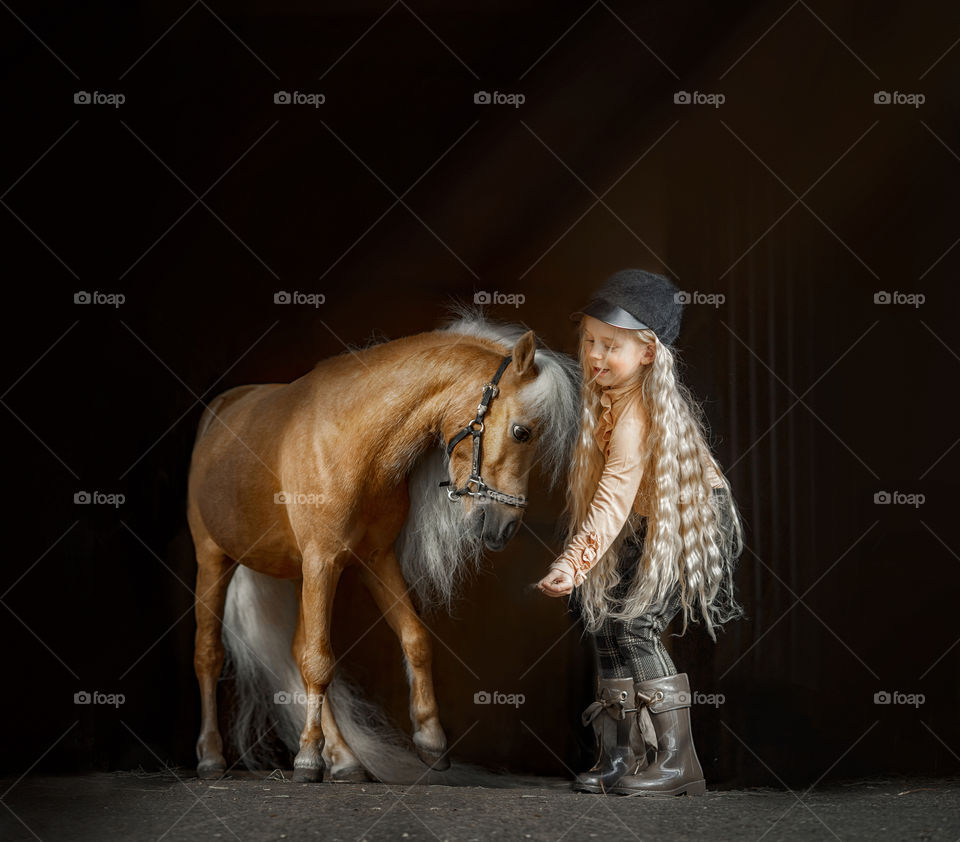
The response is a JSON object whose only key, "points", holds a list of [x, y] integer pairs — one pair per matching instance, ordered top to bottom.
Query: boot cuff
{"points": [[662, 694]]}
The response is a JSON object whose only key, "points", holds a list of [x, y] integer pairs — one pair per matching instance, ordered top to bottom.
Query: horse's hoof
{"points": [[437, 760], [211, 770], [353, 774], [306, 775]]}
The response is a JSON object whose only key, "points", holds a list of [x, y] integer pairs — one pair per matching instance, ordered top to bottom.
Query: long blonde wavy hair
{"points": [[693, 536]]}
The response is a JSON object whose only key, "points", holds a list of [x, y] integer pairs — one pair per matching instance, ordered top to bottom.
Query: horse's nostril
{"points": [[511, 529]]}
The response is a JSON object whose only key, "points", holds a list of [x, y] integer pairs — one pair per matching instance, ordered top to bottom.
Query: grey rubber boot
{"points": [[615, 727], [676, 769]]}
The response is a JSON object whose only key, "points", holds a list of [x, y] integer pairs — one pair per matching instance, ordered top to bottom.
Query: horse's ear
{"points": [[523, 352]]}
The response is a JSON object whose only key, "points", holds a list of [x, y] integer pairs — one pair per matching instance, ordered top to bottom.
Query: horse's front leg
{"points": [[386, 584], [314, 654]]}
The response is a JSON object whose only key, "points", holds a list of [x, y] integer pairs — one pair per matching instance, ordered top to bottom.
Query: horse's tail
{"points": [[258, 626]]}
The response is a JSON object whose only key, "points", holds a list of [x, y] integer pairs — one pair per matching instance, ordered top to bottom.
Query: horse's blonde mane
{"points": [[437, 550]]}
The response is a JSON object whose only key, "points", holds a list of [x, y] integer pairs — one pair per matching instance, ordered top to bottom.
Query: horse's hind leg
{"points": [[214, 571], [344, 765]]}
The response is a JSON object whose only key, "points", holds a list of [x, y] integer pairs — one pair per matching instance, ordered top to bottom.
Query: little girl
{"points": [[652, 529]]}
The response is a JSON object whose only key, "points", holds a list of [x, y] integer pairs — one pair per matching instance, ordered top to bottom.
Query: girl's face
{"points": [[615, 355]]}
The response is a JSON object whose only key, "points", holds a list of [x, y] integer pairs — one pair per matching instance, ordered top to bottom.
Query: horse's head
{"points": [[533, 420], [495, 490]]}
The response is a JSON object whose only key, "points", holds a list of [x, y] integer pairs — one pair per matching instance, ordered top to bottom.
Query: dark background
{"points": [[798, 199]]}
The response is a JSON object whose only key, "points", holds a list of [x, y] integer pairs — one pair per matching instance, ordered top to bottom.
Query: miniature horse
{"points": [[295, 481]]}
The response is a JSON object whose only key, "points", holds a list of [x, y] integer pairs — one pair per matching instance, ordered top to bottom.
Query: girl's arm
{"points": [[612, 501]]}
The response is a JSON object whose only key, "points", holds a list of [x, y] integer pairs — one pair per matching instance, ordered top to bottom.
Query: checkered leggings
{"points": [[633, 649]]}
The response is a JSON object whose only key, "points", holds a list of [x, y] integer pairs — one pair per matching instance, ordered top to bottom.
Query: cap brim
{"points": [[611, 314]]}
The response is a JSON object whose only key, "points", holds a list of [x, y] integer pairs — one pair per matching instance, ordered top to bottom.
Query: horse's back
{"points": [[222, 403]]}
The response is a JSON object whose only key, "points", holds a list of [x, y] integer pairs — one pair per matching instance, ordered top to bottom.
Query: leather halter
{"points": [[475, 429]]}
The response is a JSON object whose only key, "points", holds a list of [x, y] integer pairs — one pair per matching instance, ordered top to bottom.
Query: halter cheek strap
{"points": [[475, 429]]}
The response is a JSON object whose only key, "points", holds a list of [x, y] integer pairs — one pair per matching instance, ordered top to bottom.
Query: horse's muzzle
{"points": [[498, 529]]}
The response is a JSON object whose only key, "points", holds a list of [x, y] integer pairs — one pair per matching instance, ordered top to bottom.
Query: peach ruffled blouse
{"points": [[621, 434]]}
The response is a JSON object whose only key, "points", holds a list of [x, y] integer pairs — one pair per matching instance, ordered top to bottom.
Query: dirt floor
{"points": [[175, 805]]}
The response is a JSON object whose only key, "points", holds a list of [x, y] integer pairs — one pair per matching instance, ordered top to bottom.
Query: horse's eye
{"points": [[521, 433]]}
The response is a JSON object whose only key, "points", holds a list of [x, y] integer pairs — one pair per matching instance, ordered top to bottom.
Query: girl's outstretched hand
{"points": [[556, 583]]}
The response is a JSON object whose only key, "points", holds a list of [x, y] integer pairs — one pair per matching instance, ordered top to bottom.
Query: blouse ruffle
{"points": [[606, 420]]}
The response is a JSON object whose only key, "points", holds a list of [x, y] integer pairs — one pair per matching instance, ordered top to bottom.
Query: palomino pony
{"points": [[370, 459]]}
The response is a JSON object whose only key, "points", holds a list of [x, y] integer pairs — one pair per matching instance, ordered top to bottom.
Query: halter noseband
{"points": [[475, 429]]}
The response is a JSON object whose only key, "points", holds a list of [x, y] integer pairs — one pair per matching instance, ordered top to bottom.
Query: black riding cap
{"points": [[637, 300]]}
